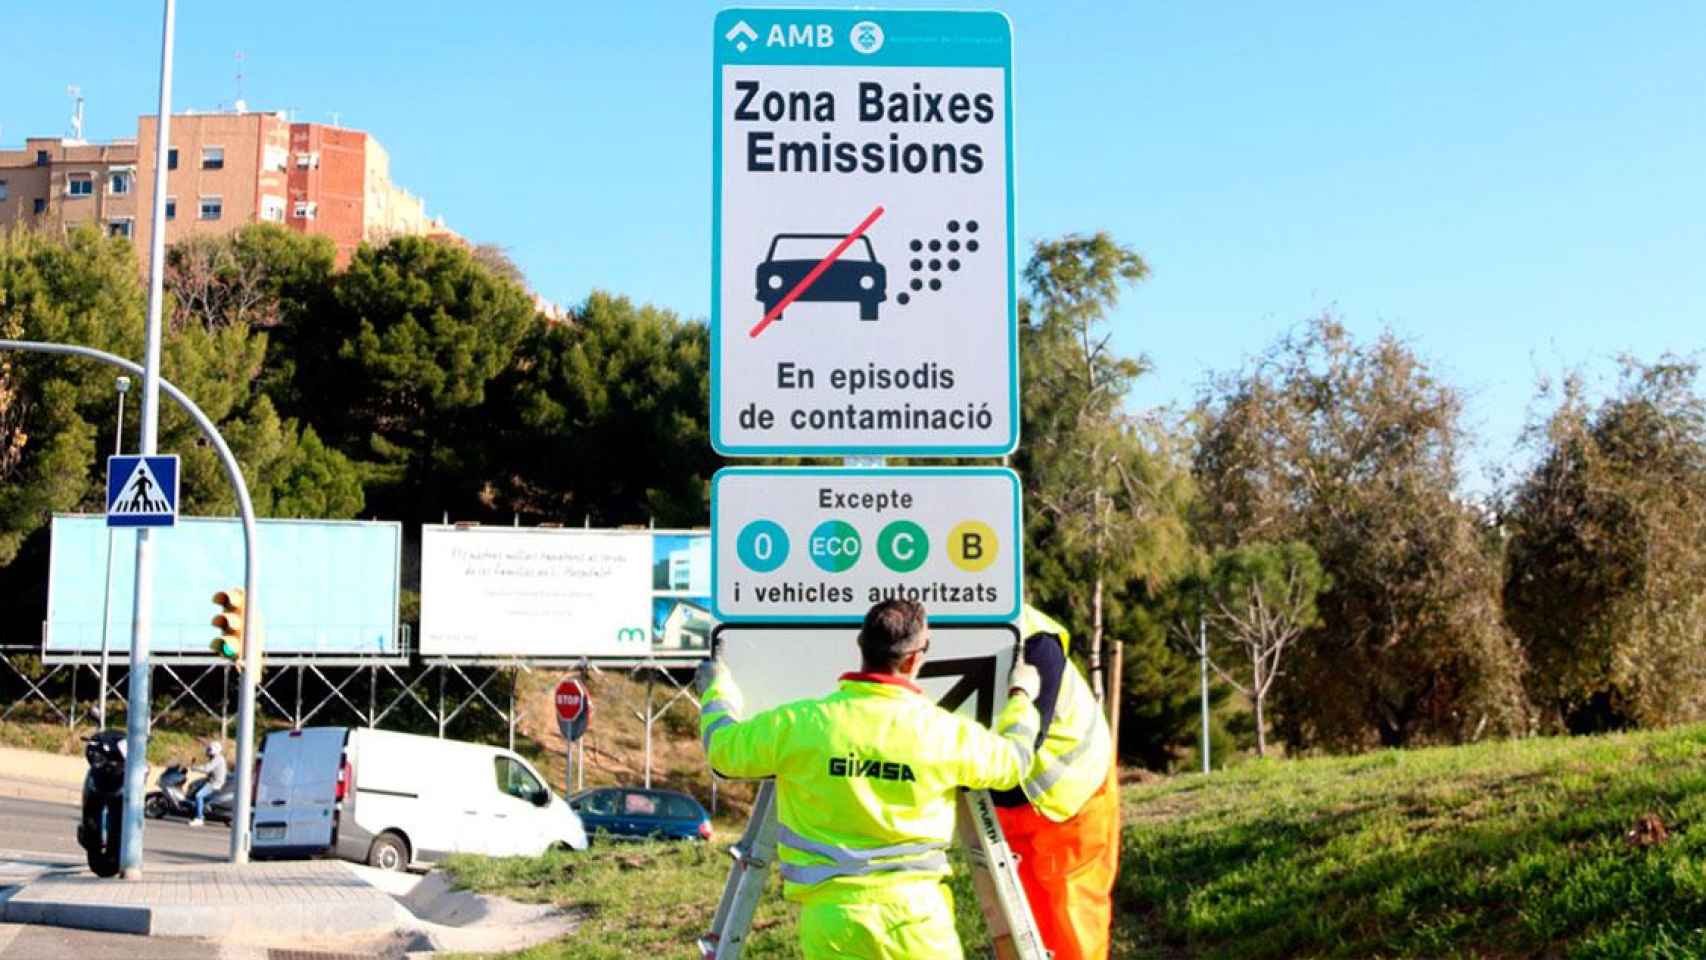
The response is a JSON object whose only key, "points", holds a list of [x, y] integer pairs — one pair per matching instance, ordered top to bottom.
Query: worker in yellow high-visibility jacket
{"points": [[866, 784], [1063, 821]]}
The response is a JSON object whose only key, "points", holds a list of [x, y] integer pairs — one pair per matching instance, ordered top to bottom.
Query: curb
{"points": [[22, 788], [292, 909], [208, 922]]}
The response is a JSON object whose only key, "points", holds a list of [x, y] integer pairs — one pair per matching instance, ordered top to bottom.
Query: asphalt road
{"points": [[36, 827]]}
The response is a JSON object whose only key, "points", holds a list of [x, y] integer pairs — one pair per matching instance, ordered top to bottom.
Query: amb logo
{"points": [[820, 35], [631, 635], [874, 769]]}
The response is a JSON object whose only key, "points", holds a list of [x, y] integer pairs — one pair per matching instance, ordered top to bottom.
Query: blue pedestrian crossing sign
{"points": [[142, 491]]}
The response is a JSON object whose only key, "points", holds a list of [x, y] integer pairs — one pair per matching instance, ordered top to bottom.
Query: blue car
{"points": [[632, 813]]}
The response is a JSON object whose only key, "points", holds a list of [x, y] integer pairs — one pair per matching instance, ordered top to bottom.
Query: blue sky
{"points": [[1514, 188]]}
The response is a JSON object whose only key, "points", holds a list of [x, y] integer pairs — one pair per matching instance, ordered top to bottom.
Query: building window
{"points": [[41, 158], [213, 158], [277, 158], [172, 159], [309, 160], [79, 185], [119, 185], [3, 191], [40, 205], [171, 208], [212, 208], [272, 209], [306, 209], [119, 227]]}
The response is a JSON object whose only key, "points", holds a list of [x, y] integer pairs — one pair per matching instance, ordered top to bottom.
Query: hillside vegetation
{"points": [[1587, 847]]}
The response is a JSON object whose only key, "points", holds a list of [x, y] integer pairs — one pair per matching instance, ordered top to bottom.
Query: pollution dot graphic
{"points": [[935, 257]]}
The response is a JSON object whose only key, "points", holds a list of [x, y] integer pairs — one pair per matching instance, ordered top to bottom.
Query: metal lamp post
{"points": [[112, 542]]}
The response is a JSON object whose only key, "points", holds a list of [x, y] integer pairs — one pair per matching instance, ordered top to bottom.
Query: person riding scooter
{"points": [[215, 770]]}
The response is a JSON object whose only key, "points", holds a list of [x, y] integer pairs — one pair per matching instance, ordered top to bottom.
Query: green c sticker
{"points": [[903, 546]]}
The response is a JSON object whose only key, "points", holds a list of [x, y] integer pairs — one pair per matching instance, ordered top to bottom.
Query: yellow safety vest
{"points": [[1032, 620], [1076, 754], [1074, 759], [866, 778]]}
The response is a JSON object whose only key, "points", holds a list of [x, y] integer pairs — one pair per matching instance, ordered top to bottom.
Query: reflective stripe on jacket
{"points": [[1075, 755], [866, 778]]}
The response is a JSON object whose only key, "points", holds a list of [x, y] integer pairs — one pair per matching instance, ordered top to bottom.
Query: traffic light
{"points": [[229, 620]]}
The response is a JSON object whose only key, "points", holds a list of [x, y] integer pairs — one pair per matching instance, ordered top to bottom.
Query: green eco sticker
{"points": [[835, 546]]}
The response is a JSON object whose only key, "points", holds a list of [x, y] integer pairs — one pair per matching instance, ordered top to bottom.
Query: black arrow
{"points": [[977, 675]]}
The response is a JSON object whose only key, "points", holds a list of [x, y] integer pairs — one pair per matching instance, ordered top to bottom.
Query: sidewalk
{"points": [[33, 775], [307, 898]]}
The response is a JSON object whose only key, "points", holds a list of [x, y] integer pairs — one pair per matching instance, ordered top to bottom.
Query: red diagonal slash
{"points": [[817, 271]]}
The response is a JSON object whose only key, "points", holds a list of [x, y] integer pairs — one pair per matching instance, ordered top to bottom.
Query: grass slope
{"points": [[1512, 849], [656, 899]]}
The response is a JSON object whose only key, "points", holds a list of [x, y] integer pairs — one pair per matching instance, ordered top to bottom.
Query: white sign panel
{"points": [[863, 296], [823, 544], [503, 591], [965, 671]]}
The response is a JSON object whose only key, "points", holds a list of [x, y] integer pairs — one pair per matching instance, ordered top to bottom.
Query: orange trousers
{"points": [[1068, 871]]}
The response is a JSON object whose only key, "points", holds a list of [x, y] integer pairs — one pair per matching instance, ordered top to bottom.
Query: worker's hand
{"points": [[711, 670], [1024, 677]]}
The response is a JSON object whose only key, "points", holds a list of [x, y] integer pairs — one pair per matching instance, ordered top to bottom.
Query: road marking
{"points": [[817, 271]]}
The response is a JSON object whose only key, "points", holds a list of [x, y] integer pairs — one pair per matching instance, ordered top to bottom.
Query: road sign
{"points": [[862, 240], [142, 491], [822, 544], [965, 671], [574, 706]]}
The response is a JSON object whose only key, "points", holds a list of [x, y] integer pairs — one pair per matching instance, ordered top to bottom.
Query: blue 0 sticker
{"points": [[762, 545]]}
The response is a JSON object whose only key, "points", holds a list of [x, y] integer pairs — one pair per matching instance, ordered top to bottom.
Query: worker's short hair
{"points": [[892, 629]]}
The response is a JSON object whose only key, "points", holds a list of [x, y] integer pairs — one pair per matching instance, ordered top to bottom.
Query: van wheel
{"points": [[388, 852]]}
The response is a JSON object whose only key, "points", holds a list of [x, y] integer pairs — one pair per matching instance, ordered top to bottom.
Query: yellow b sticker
{"points": [[972, 545]]}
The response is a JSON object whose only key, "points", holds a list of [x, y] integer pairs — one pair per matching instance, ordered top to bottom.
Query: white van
{"points": [[395, 800]]}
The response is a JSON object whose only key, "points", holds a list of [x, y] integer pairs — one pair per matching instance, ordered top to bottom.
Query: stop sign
{"points": [[573, 705]]}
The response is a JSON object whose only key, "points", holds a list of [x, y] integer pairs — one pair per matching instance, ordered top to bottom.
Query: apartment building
{"points": [[223, 170], [64, 184]]}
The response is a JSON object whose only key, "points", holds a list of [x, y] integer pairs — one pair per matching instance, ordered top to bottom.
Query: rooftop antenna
{"points": [[76, 93], [240, 105], [335, 116]]}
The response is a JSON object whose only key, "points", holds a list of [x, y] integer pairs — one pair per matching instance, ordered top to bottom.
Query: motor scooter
{"points": [[175, 797], [101, 826]]}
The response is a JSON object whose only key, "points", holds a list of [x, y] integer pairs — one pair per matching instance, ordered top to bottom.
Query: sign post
{"points": [[863, 293], [863, 305], [142, 491], [822, 544], [573, 704]]}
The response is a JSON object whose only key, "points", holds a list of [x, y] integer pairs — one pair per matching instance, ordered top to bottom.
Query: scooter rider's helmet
{"points": [[214, 749]]}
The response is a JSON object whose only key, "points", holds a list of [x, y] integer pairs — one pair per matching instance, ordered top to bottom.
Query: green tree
{"points": [[265, 278], [81, 288], [227, 296], [397, 366], [607, 418], [1352, 448], [1105, 503], [1605, 579], [1259, 599]]}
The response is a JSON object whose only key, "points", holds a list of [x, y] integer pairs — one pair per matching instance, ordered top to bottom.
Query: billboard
{"points": [[328, 587], [681, 591], [547, 592]]}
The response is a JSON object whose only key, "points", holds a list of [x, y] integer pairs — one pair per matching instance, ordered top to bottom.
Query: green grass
{"points": [[1513, 849], [1501, 850], [655, 900]]}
